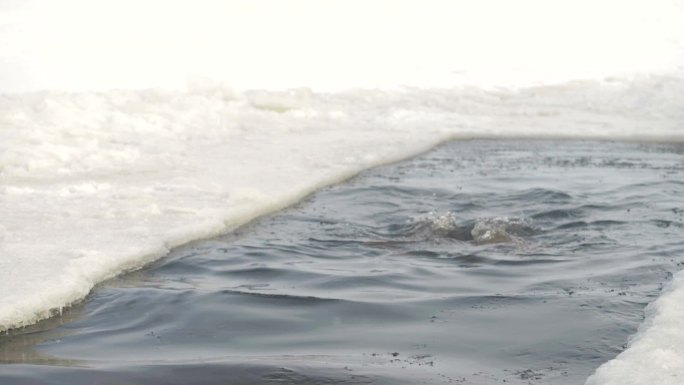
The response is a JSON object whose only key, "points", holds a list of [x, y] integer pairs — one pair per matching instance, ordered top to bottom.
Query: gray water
{"points": [[481, 262]]}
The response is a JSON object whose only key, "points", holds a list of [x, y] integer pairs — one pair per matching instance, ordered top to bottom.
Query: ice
{"points": [[656, 353]]}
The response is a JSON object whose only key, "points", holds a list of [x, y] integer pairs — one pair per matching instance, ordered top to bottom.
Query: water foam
{"points": [[500, 229], [481, 231]]}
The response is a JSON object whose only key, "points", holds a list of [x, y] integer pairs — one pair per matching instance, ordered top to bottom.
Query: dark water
{"points": [[478, 263]]}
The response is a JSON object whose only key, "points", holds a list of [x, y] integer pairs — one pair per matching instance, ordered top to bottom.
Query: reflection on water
{"points": [[480, 262], [17, 346]]}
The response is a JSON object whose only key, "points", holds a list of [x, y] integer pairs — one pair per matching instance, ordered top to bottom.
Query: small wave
{"points": [[542, 195], [559, 214], [597, 224], [446, 226], [500, 229], [480, 231], [278, 296]]}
